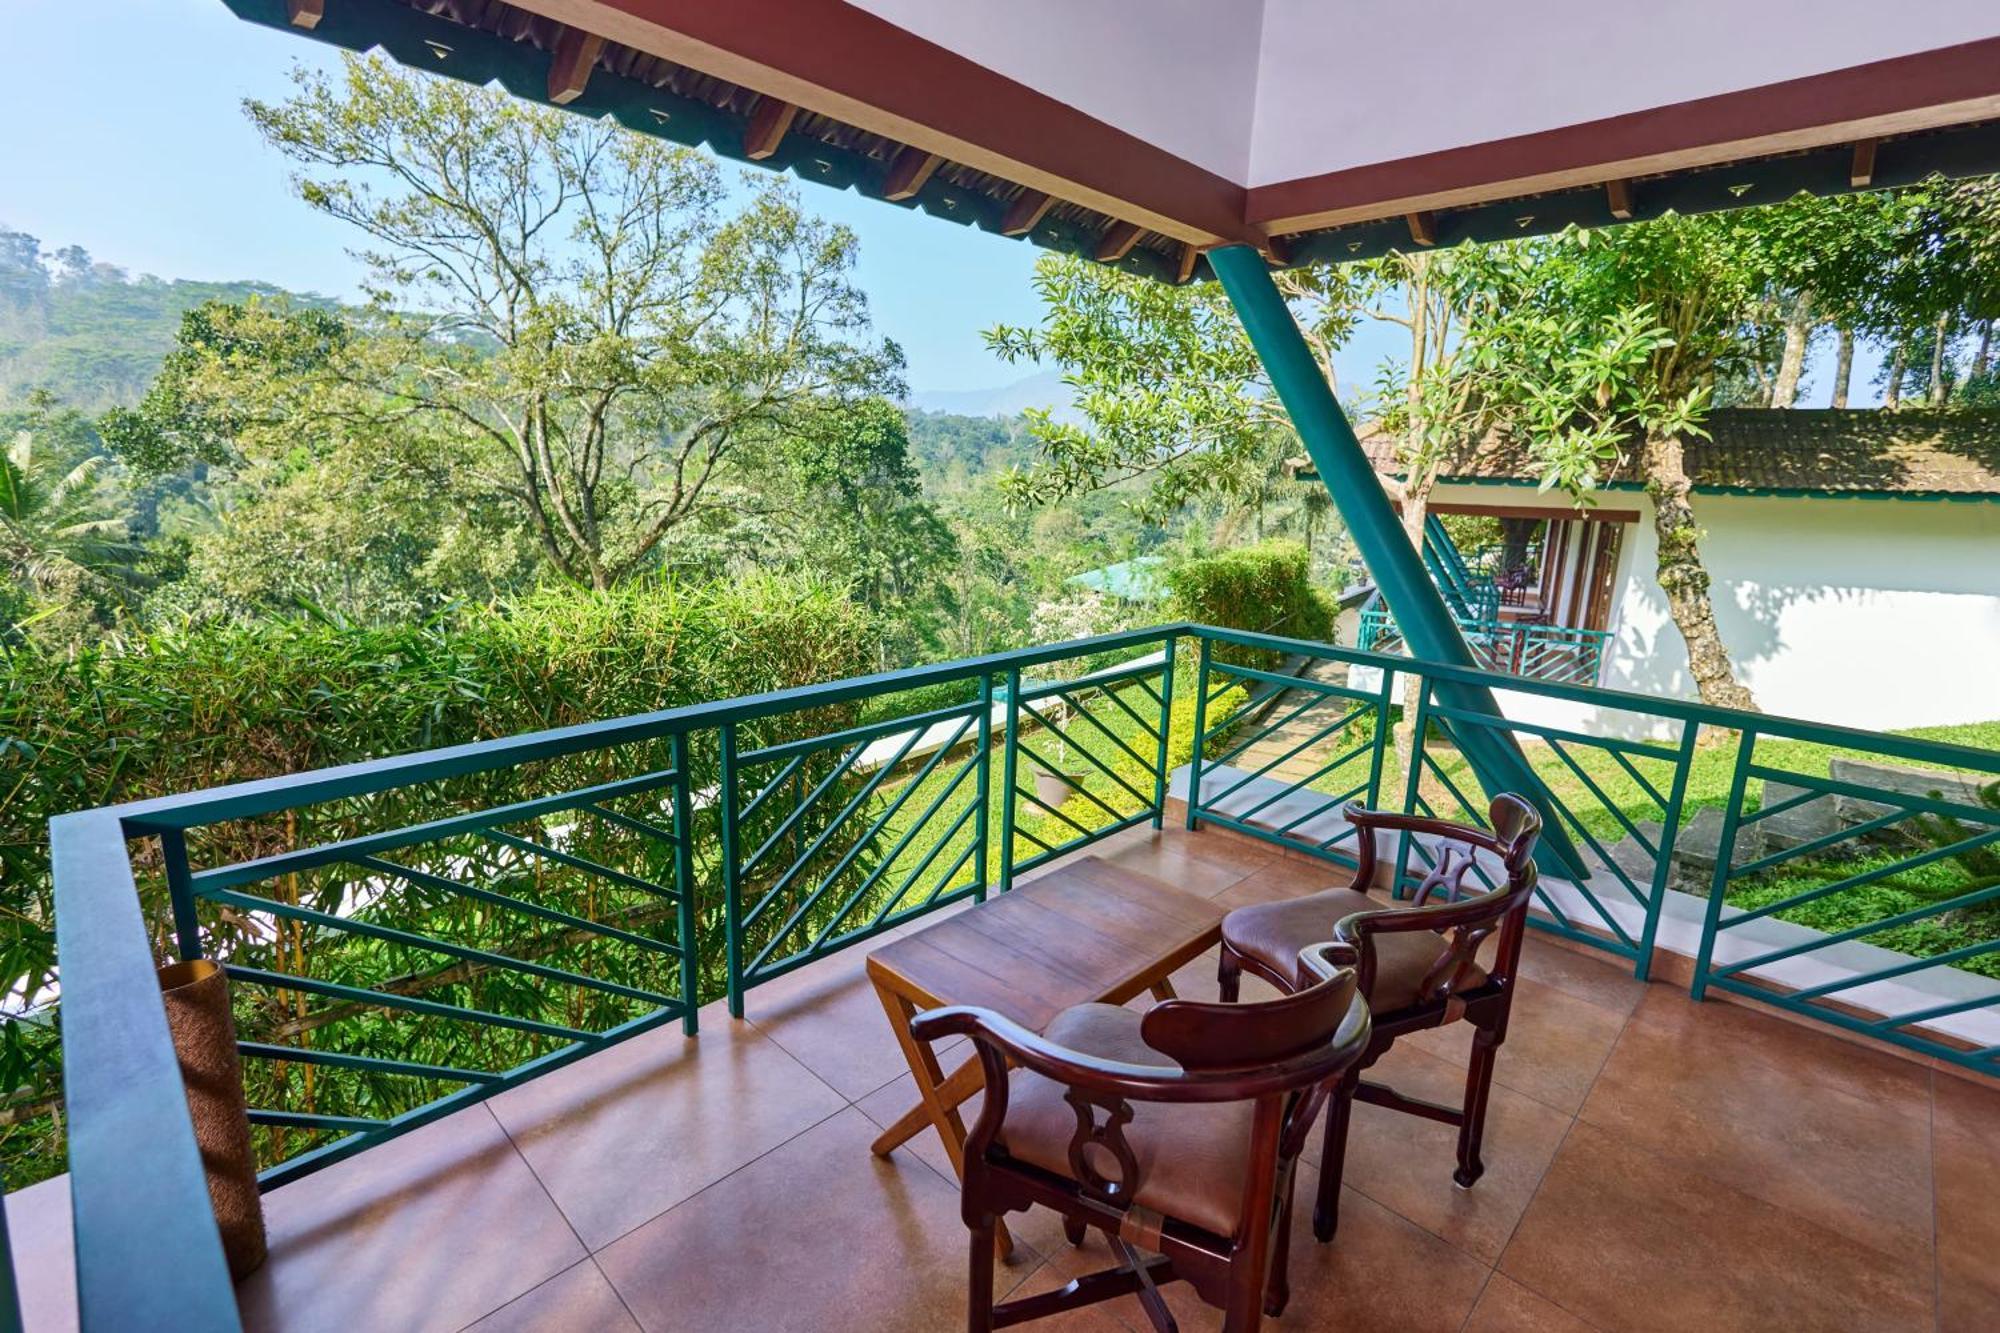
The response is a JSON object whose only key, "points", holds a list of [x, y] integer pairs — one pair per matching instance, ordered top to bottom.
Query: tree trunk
{"points": [[1938, 335], [1983, 358], [1792, 362], [1843, 367], [1892, 389], [1416, 505], [1683, 579]]}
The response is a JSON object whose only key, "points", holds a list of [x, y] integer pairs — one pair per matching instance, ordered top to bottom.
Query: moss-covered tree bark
{"points": [[1684, 579]]}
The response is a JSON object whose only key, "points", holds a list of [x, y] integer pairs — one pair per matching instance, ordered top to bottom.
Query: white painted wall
{"points": [[1181, 74], [1360, 81], [1876, 613]]}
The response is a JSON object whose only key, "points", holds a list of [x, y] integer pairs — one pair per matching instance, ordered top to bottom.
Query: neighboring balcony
{"points": [[570, 1031]]}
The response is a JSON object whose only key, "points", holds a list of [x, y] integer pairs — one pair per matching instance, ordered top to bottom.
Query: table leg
{"points": [[1163, 989], [967, 1079], [931, 1084]]}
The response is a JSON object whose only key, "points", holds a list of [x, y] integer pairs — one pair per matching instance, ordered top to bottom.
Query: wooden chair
{"points": [[1417, 964], [1175, 1132]]}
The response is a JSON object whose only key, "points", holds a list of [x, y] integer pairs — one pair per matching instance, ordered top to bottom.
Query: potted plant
{"points": [[1056, 783]]}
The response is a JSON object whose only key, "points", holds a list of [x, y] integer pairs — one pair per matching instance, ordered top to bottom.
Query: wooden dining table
{"points": [[1085, 931]]}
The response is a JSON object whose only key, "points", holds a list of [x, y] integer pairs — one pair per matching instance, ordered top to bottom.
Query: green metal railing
{"points": [[1509, 648], [409, 935]]}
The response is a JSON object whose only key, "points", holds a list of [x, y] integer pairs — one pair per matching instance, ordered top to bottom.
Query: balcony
{"points": [[687, 1145]]}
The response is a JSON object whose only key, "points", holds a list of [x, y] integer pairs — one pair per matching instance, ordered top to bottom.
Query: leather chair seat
{"points": [[1273, 933], [1193, 1158]]}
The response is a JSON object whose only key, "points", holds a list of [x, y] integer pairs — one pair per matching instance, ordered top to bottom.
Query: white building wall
{"points": [[1876, 613]]}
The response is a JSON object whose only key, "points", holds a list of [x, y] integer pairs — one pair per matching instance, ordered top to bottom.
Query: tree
{"points": [[573, 303], [62, 540]]}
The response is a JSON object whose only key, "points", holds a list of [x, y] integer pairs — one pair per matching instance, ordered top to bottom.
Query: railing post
{"points": [[1166, 729], [1200, 735], [1008, 778], [983, 788], [1725, 853], [1663, 864], [684, 882], [180, 890], [732, 891]]}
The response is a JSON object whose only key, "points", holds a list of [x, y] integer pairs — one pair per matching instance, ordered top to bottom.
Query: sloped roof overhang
{"points": [[1142, 134]]}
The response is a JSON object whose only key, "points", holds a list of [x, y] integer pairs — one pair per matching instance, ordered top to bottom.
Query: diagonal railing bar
{"points": [[1104, 680], [1146, 683], [1095, 721], [1338, 724], [1152, 728], [1266, 728], [1145, 729], [1088, 756], [782, 776], [1302, 784], [869, 787], [1077, 787], [1872, 796], [1034, 799], [807, 800], [1660, 800], [1331, 803], [1611, 807], [1767, 811], [923, 820], [881, 821], [644, 827], [875, 829], [1024, 833], [1846, 833], [346, 849], [575, 862], [1865, 877], [943, 882], [251, 902], [1960, 903], [889, 904], [555, 915], [1945, 959], [334, 990], [1917, 1017], [308, 1055], [350, 1124]]}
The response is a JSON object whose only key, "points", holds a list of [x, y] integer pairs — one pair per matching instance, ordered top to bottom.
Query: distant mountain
{"points": [[87, 331], [1042, 389]]}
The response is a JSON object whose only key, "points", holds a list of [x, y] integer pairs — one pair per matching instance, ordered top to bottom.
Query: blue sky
{"points": [[125, 135]]}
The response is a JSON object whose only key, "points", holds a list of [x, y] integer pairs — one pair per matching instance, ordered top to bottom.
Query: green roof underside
{"points": [[840, 156]]}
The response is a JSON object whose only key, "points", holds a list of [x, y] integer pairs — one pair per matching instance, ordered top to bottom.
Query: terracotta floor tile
{"points": [[1600, 978], [827, 1017], [1761, 1037], [1555, 1045], [1699, 1095], [628, 1133], [1966, 1138], [1405, 1163], [428, 1231], [38, 1232], [816, 1237], [1631, 1240], [1381, 1273], [576, 1300], [1508, 1307]]}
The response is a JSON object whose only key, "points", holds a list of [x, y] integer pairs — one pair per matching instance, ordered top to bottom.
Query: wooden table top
{"points": [[1086, 931]]}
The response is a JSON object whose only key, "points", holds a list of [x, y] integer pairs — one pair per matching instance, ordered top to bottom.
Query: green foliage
{"points": [[600, 341], [65, 552], [1266, 588], [177, 711]]}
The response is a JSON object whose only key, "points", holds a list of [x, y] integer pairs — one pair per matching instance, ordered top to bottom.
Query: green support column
{"points": [[1399, 571]]}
